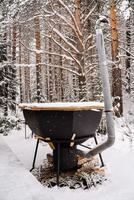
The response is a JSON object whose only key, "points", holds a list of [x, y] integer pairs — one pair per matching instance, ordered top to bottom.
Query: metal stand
{"points": [[25, 131], [32, 134], [58, 142], [35, 154], [100, 156], [58, 164]]}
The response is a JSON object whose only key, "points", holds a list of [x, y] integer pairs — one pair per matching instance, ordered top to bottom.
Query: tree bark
{"points": [[14, 36], [80, 56], [128, 57], [38, 58], [20, 69], [116, 71]]}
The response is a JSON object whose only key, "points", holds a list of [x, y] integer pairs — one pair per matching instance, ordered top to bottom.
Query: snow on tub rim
{"points": [[65, 106]]}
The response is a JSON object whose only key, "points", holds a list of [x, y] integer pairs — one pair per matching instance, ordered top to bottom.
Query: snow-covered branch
{"points": [[90, 12], [72, 16], [70, 25], [88, 38], [65, 40], [91, 47], [120, 47], [37, 51], [42, 51], [127, 51], [68, 52], [51, 53], [49, 65], [64, 68]]}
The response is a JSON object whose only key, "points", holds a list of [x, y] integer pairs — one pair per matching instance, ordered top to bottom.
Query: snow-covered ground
{"points": [[119, 161], [16, 183]]}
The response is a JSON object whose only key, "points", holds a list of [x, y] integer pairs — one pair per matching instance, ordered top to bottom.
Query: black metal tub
{"points": [[63, 120], [67, 124], [62, 125]]}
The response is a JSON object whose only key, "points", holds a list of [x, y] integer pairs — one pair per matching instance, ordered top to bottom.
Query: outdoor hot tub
{"points": [[62, 120], [65, 125]]}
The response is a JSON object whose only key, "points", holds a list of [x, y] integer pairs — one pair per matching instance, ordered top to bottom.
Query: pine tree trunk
{"points": [[14, 35], [80, 56], [38, 58], [128, 59], [61, 64], [20, 69], [116, 71], [27, 73], [6, 80], [50, 88], [6, 93]]}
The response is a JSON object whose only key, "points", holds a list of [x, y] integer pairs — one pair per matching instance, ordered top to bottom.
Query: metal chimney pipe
{"points": [[106, 92]]}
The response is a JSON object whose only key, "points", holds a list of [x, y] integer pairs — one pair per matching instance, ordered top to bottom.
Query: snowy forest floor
{"points": [[119, 161]]}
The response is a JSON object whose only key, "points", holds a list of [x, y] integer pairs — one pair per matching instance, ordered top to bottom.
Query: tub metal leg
{"points": [[25, 131], [32, 134], [35, 154], [100, 156], [58, 164]]}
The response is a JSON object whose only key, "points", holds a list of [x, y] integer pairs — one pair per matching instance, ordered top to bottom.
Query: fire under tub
{"points": [[64, 125]]}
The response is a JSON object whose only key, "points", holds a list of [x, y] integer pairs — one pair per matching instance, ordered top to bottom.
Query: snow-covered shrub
{"points": [[9, 122]]}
